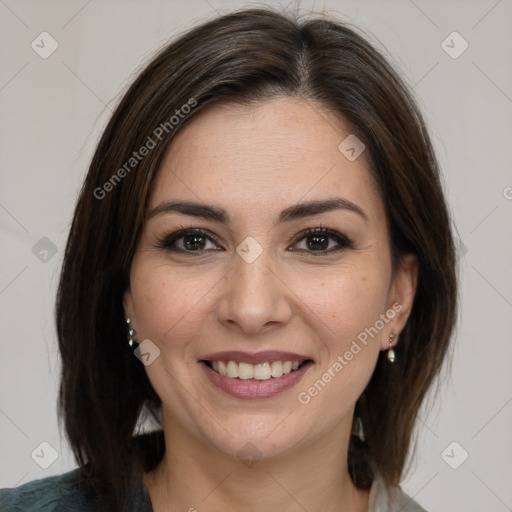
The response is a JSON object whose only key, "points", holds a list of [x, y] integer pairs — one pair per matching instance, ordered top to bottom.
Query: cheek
{"points": [[345, 304], [166, 305], [342, 309]]}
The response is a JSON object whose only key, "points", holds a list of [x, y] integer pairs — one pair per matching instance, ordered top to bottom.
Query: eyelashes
{"points": [[192, 235], [319, 235], [195, 241]]}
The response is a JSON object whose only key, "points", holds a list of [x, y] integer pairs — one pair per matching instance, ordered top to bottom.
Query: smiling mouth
{"points": [[260, 371]]}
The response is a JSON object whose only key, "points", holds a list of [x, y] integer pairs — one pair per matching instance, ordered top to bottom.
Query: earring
{"points": [[131, 333], [391, 352], [357, 429]]}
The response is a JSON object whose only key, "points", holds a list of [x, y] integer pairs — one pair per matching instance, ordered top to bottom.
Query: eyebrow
{"points": [[294, 212]]}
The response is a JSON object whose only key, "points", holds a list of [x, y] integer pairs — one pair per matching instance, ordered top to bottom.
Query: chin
{"points": [[260, 437]]}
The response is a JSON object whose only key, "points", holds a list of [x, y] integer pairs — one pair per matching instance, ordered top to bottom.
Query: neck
{"points": [[195, 476]]}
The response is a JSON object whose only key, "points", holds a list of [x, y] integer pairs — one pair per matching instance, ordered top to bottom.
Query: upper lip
{"points": [[266, 356]]}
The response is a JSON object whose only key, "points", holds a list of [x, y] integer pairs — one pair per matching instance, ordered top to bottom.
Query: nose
{"points": [[254, 296]]}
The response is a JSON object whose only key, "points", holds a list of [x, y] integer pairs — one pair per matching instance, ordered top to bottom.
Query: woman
{"points": [[260, 259]]}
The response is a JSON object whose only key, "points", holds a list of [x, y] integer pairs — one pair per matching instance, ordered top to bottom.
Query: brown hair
{"points": [[247, 55]]}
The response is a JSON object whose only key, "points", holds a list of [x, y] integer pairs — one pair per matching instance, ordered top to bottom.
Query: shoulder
{"points": [[59, 493], [391, 499]]}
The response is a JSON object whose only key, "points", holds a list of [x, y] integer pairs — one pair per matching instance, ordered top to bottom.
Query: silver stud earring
{"points": [[131, 333], [391, 352]]}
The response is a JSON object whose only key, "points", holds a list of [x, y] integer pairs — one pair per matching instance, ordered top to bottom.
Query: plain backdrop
{"points": [[53, 109]]}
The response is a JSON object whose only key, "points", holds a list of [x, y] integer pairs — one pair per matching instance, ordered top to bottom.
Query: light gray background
{"points": [[52, 112]]}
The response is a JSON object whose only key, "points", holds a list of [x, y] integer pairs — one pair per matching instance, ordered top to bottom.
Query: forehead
{"points": [[267, 154]]}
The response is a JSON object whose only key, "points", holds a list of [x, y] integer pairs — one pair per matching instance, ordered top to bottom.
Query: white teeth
{"points": [[222, 368], [276, 369], [232, 370], [245, 370], [261, 371]]}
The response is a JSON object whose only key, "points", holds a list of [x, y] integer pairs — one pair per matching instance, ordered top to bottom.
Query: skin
{"points": [[254, 161]]}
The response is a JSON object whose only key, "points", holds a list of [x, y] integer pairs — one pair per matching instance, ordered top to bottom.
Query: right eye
{"points": [[188, 240]]}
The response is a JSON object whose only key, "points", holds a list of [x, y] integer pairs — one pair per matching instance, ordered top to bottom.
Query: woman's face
{"points": [[258, 284]]}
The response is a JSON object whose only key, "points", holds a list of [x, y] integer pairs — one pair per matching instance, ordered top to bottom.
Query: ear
{"points": [[401, 296]]}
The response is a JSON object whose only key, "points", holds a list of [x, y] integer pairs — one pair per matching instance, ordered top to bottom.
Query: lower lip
{"points": [[253, 388]]}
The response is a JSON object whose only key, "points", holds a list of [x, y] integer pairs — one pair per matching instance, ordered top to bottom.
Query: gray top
{"points": [[62, 493], [390, 499]]}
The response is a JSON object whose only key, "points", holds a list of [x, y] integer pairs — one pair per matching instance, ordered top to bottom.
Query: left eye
{"points": [[317, 241]]}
